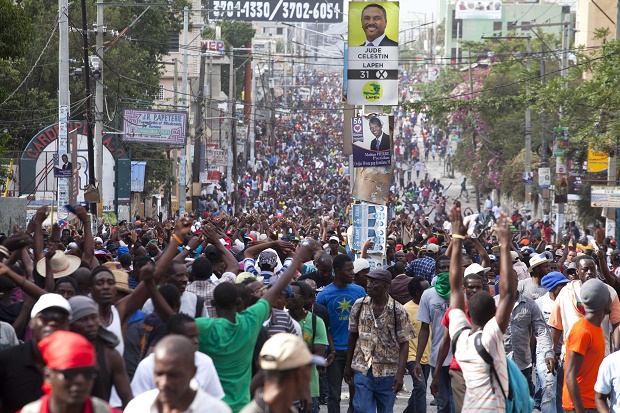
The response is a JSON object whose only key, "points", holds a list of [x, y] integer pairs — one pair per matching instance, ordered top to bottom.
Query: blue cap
{"points": [[122, 250], [553, 279], [287, 291]]}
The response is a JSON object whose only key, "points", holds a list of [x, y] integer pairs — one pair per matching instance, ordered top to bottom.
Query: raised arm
{"points": [[40, 216], [459, 232], [88, 246], [304, 253], [485, 261], [231, 262], [507, 277], [128, 305]]}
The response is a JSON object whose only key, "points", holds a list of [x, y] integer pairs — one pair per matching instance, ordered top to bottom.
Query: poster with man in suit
{"points": [[372, 55], [372, 141]]}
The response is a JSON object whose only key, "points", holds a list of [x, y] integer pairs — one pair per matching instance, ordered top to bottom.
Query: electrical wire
{"points": [[33, 66]]}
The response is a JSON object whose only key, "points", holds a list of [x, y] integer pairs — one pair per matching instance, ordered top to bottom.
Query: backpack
{"points": [[518, 399]]}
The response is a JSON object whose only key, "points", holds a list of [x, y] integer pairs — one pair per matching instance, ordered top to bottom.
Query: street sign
{"points": [[323, 11], [372, 56], [605, 196]]}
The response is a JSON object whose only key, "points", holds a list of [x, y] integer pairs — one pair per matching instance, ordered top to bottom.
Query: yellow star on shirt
{"points": [[344, 305]]}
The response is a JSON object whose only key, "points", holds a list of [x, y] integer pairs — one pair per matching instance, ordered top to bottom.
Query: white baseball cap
{"points": [[476, 268], [48, 301]]}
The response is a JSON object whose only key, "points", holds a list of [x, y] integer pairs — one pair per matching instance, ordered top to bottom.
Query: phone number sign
{"points": [[325, 11]]}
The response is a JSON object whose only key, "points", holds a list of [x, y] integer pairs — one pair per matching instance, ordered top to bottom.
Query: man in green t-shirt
{"points": [[313, 331], [230, 338]]}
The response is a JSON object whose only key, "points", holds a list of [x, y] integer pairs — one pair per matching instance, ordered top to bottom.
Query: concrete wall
{"points": [[590, 18], [12, 211]]}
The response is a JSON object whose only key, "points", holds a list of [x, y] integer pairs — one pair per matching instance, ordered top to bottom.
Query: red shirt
{"points": [[454, 365], [88, 407]]}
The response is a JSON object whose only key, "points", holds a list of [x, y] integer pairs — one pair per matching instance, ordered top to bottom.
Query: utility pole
{"points": [[99, 101], [272, 106], [252, 122], [89, 128], [198, 128], [528, 133], [473, 135], [544, 154], [183, 157], [231, 173], [612, 178], [64, 187], [559, 220]]}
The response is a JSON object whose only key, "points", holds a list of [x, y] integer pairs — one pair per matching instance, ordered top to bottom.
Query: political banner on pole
{"points": [[372, 57], [372, 141], [560, 141], [544, 178], [369, 222]]}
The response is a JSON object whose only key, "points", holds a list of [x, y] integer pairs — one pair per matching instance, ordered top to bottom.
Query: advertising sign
{"points": [[476, 9], [324, 11], [216, 46], [372, 64], [150, 126], [454, 137], [372, 141], [560, 141], [216, 157], [597, 161], [210, 176], [528, 178], [544, 178], [605, 196], [369, 222]]}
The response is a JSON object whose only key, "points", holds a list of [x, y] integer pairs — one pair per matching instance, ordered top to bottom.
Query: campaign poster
{"points": [[372, 55], [372, 141], [560, 141], [544, 178], [370, 222]]}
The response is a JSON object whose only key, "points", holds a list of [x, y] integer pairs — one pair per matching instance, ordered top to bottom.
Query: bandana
{"points": [[442, 284], [66, 350]]}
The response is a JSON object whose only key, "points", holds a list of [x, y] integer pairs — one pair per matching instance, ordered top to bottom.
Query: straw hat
{"points": [[62, 264], [122, 281]]}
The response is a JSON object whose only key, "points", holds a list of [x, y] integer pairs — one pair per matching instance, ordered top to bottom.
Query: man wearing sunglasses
{"points": [[20, 366], [70, 372]]}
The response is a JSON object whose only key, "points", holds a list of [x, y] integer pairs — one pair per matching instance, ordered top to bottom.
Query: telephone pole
{"points": [[99, 100], [89, 128], [198, 128], [473, 135], [544, 154], [183, 157], [62, 194]]}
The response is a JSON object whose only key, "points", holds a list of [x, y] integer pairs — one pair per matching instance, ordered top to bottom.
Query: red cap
{"points": [[433, 240], [399, 247]]}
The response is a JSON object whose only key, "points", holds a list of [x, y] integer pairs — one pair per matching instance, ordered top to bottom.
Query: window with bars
{"points": [[160, 95]]}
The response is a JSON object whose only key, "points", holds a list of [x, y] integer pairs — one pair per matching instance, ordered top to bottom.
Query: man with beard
{"points": [[532, 287]]}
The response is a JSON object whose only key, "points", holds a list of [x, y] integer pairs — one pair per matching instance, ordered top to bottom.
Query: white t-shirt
{"points": [[188, 305], [206, 377], [608, 380], [480, 396], [203, 402]]}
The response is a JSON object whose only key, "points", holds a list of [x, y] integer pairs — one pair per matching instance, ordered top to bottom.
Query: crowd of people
{"points": [[250, 314]]}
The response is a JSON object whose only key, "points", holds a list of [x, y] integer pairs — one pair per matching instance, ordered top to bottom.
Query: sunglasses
{"points": [[53, 316], [89, 373]]}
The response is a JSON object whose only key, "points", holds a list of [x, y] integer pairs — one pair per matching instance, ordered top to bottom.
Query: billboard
{"points": [[478, 9], [324, 11], [218, 47], [372, 57], [151, 126], [372, 146], [597, 161], [605, 196]]}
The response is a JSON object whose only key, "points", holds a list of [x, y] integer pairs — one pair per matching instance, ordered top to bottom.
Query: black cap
{"points": [[381, 275]]}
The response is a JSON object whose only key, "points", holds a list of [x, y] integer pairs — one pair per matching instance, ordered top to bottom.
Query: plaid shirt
{"points": [[422, 267], [204, 289]]}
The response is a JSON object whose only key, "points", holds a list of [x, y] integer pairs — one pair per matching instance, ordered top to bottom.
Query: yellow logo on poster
{"points": [[372, 91], [597, 161]]}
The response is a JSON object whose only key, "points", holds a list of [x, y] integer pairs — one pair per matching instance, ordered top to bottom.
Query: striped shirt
{"points": [[482, 394]]}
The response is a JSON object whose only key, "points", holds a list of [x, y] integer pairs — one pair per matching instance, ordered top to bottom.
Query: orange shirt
{"points": [[587, 339]]}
